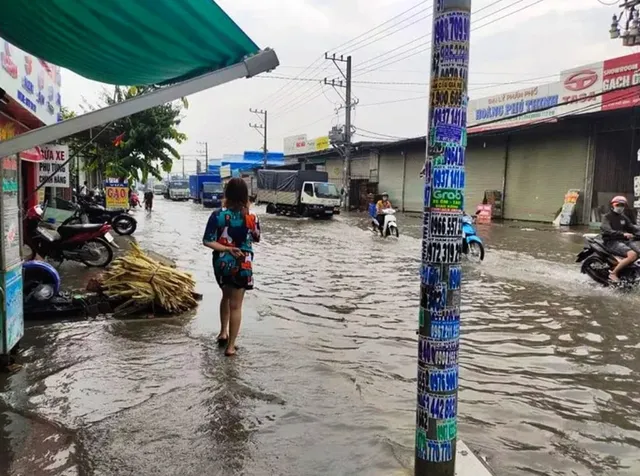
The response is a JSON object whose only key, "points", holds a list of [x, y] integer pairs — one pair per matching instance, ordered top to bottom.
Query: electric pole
{"points": [[631, 33], [262, 129], [206, 156], [346, 172], [183, 176], [440, 273]]}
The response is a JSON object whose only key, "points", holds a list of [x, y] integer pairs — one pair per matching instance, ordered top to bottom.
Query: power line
{"points": [[362, 37], [426, 47]]}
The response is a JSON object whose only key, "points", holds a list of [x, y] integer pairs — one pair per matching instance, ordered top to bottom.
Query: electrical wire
{"points": [[426, 47]]}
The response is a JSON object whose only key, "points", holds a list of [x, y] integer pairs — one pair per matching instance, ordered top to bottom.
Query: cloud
{"points": [[537, 42]]}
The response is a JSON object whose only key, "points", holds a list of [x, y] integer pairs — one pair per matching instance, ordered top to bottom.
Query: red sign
{"points": [[581, 80], [621, 82]]}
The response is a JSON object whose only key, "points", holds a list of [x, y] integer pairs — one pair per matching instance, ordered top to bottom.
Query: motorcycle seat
{"points": [[66, 229]]}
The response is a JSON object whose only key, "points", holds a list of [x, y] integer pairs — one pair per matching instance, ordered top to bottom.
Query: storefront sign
{"points": [[33, 83], [536, 104], [301, 145], [54, 157], [117, 195], [10, 217], [12, 312]]}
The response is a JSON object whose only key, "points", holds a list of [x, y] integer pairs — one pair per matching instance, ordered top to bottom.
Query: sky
{"points": [[514, 44]]}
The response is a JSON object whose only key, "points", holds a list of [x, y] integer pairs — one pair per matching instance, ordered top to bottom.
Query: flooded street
{"points": [[324, 381]]}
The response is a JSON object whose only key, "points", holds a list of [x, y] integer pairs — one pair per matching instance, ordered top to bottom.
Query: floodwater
{"points": [[324, 382]]}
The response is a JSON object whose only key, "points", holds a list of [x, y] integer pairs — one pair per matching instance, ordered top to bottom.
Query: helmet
{"points": [[385, 194], [619, 199]]}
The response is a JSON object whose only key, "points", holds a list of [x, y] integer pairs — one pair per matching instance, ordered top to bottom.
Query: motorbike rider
{"points": [[382, 204], [373, 212], [618, 232]]}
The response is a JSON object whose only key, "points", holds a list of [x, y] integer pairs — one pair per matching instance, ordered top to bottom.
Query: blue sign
{"points": [[13, 311]]}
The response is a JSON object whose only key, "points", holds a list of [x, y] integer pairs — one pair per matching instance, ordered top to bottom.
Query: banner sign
{"points": [[33, 83], [516, 108], [301, 145], [54, 156], [116, 194], [12, 312]]}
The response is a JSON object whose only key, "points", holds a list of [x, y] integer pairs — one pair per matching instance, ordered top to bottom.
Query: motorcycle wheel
{"points": [[72, 221], [124, 225], [396, 232], [476, 251], [106, 253], [597, 269]]}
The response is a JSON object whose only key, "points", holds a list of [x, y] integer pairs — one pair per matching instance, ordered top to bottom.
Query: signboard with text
{"points": [[33, 83], [525, 106], [301, 145], [54, 158], [116, 194], [11, 314]]}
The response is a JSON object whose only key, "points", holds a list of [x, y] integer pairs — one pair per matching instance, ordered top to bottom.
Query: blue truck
{"points": [[206, 189]]}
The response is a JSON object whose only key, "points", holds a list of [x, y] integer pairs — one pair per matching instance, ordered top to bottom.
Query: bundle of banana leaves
{"points": [[140, 282]]}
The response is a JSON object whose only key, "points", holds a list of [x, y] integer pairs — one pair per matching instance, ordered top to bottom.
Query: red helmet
{"points": [[619, 199]]}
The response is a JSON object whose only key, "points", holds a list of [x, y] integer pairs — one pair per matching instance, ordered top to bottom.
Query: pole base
{"points": [[467, 464]]}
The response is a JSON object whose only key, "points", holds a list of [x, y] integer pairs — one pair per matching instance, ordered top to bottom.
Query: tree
{"points": [[137, 146]]}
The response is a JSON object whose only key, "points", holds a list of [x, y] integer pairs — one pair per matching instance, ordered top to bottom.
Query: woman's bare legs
{"points": [[236, 296], [225, 315]]}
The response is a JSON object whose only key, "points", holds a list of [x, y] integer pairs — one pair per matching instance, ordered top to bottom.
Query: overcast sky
{"points": [[510, 49]]}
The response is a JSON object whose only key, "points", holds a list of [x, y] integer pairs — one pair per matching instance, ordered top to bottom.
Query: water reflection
{"points": [[325, 379]]}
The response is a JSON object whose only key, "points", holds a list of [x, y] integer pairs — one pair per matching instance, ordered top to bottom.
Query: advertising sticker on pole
{"points": [[54, 157], [116, 194]]}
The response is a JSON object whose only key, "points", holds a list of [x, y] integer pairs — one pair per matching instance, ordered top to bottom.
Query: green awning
{"points": [[127, 42]]}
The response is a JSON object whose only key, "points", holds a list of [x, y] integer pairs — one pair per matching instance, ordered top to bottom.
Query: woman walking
{"points": [[230, 233]]}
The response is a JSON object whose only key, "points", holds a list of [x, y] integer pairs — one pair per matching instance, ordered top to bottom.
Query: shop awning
{"points": [[127, 42], [32, 155]]}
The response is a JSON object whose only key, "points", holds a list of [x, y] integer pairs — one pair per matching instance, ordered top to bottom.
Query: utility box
{"points": [[11, 310]]}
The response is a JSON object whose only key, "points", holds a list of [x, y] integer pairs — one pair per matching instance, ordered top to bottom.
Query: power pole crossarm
{"points": [[262, 129], [442, 242]]}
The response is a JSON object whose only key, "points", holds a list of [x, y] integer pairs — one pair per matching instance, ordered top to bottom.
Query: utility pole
{"points": [[631, 34], [348, 104], [262, 129], [206, 156], [183, 175], [440, 273]]}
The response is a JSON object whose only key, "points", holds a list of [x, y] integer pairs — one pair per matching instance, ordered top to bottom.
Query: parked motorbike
{"points": [[88, 212], [389, 226], [86, 243], [471, 243], [598, 262]]}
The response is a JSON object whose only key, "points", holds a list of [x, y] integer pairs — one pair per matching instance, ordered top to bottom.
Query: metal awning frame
{"points": [[265, 60]]}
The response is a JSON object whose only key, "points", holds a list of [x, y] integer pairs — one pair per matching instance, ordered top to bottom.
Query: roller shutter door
{"points": [[360, 168], [334, 169], [484, 169], [540, 170], [390, 176], [414, 184]]}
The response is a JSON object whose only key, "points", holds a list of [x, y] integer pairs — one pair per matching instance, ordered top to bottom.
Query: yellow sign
{"points": [[322, 143], [117, 197]]}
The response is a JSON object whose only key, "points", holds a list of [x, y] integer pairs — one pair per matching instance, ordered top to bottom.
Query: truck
{"points": [[177, 189], [206, 189], [298, 193]]}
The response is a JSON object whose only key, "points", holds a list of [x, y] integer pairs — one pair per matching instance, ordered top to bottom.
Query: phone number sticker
{"points": [[448, 225], [444, 251], [433, 352], [437, 381], [439, 407], [431, 450]]}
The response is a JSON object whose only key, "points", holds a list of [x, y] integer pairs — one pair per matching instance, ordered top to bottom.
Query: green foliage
{"points": [[147, 139]]}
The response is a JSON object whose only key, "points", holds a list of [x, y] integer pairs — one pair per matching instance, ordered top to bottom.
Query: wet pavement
{"points": [[324, 382]]}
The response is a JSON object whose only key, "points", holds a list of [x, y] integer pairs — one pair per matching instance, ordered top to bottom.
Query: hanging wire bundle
{"points": [[142, 282]]}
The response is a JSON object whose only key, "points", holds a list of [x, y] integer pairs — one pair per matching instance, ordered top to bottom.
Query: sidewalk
{"points": [[75, 276]]}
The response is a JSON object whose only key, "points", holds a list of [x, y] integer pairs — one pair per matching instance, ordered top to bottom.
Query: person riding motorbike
{"points": [[382, 204], [373, 212], [618, 232]]}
